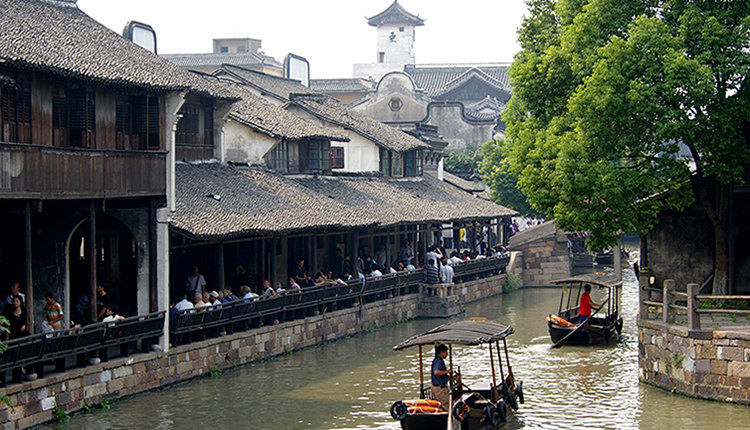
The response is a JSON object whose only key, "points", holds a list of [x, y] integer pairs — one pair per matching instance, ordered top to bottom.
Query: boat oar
{"points": [[560, 342]]}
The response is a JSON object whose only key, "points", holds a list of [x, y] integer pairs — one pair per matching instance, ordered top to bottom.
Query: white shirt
{"points": [[446, 273], [184, 304]]}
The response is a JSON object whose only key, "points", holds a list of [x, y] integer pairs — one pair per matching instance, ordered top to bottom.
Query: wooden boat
{"points": [[602, 327], [480, 405]]}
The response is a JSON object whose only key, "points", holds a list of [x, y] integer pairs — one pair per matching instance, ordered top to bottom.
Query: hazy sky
{"points": [[331, 34]]}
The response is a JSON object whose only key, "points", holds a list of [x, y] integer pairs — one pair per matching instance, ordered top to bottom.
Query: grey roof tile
{"points": [[395, 14], [56, 37], [216, 60], [436, 79], [274, 85], [348, 85], [332, 110], [264, 117], [255, 201]]}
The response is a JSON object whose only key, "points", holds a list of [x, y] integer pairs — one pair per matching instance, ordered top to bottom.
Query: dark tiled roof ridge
{"points": [[395, 14], [56, 37], [376, 131]]}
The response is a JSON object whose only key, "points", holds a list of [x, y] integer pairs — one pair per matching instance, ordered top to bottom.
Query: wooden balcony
{"points": [[44, 172]]}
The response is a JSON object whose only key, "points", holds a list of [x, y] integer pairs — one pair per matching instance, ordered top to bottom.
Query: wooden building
{"points": [[86, 158]]}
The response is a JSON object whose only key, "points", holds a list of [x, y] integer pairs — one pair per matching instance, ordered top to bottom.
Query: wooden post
{"points": [[91, 254], [617, 254], [28, 272], [221, 280], [643, 294], [667, 312], [694, 319]]}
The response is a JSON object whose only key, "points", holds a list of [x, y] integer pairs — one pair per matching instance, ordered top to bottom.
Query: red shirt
{"points": [[585, 307]]}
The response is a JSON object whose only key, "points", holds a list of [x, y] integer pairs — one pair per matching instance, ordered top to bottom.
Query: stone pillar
{"points": [[162, 271], [643, 294], [667, 312], [694, 318]]}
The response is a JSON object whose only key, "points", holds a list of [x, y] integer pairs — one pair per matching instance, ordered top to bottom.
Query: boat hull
{"points": [[595, 333]]}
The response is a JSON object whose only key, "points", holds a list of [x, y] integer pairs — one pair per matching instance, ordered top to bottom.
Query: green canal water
{"points": [[350, 384]]}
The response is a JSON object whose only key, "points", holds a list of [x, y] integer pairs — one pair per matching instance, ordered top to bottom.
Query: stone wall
{"points": [[545, 254], [709, 364], [33, 402]]}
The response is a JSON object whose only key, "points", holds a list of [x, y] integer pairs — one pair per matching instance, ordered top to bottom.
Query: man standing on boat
{"points": [[584, 310], [440, 376]]}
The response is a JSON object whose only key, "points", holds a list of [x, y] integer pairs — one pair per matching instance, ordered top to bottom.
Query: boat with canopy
{"points": [[603, 325], [485, 404]]}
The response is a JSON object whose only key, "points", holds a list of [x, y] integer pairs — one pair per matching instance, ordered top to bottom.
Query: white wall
{"points": [[401, 49], [243, 145]]}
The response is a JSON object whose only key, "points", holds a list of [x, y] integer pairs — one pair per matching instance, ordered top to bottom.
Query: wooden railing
{"points": [[37, 171], [690, 304], [186, 326], [32, 351]]}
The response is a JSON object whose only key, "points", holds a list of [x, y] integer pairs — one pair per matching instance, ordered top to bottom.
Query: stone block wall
{"points": [[709, 364], [33, 402]]}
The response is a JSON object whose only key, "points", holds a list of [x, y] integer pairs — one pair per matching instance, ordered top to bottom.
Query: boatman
{"points": [[584, 310], [441, 376]]}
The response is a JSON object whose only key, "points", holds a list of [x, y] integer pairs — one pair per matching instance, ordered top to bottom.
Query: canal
{"points": [[350, 384]]}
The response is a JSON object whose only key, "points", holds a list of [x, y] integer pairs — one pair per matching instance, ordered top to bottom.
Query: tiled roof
{"points": [[395, 14], [56, 37], [216, 60], [438, 79], [274, 85], [350, 85], [332, 110], [486, 110], [264, 117], [469, 186], [220, 201]]}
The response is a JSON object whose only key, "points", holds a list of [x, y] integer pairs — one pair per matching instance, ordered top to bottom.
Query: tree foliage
{"points": [[605, 95], [461, 162], [493, 167]]}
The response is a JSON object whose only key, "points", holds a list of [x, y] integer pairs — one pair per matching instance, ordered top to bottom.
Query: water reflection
{"points": [[350, 384]]}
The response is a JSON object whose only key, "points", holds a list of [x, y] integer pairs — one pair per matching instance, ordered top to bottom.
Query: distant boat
{"points": [[607, 258], [601, 328]]}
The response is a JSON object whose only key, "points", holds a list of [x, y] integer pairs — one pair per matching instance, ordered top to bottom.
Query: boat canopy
{"points": [[601, 280], [460, 333]]}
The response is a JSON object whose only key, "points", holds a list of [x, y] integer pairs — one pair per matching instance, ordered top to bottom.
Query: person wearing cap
{"points": [[213, 297]]}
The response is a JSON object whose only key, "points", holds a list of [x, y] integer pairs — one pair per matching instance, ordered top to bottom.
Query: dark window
{"points": [[401, 29], [224, 49], [381, 57], [15, 110], [73, 116], [137, 122], [189, 126], [196, 126], [280, 157], [337, 157], [319, 158], [385, 162], [412, 163], [397, 164]]}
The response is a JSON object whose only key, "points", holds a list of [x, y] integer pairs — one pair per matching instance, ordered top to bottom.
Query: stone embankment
{"points": [[708, 364], [35, 402]]}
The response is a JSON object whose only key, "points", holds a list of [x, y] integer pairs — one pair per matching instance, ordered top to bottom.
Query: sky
{"points": [[332, 34]]}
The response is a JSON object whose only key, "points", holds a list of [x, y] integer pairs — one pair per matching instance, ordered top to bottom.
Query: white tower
{"points": [[395, 34]]}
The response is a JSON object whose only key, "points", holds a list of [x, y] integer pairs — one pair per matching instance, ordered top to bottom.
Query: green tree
{"points": [[607, 92], [461, 162], [503, 189]]}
